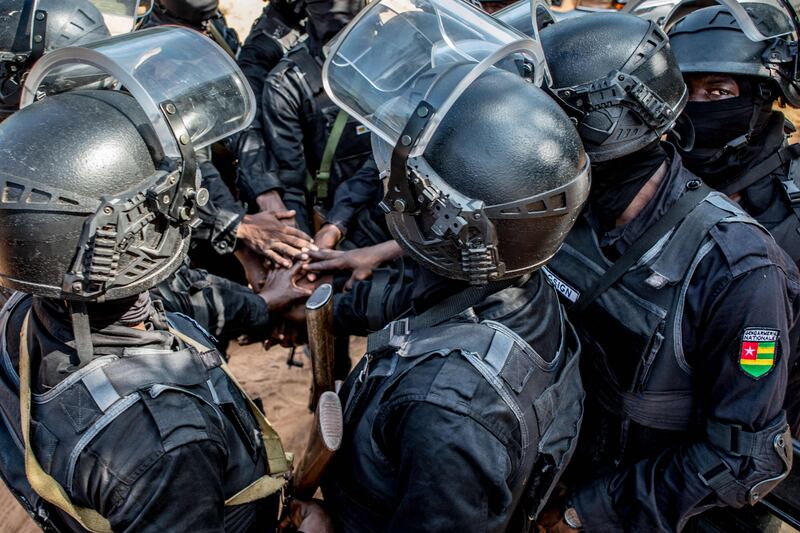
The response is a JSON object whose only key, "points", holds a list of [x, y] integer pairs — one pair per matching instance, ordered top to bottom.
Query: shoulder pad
{"points": [[746, 246]]}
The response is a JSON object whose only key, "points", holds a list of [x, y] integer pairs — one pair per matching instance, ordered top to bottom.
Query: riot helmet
{"points": [[30, 28], [755, 39], [616, 77], [100, 187], [473, 193]]}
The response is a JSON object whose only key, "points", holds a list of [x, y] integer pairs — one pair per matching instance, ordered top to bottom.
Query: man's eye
{"points": [[720, 92]]}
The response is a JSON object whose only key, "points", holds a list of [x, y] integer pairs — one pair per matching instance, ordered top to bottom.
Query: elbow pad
{"points": [[764, 458]]}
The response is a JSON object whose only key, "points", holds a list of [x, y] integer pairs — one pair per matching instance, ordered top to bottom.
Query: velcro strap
{"points": [[185, 368], [737, 441]]}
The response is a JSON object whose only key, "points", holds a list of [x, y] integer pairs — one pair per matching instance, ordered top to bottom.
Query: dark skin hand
{"points": [[271, 202], [270, 235], [361, 261], [254, 269], [281, 290], [308, 517]]}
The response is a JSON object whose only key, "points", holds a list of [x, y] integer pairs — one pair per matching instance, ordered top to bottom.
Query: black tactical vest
{"points": [[319, 114], [641, 384], [94, 396], [542, 400]]}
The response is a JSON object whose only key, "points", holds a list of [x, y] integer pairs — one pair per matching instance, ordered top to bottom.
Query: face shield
{"points": [[655, 10], [120, 15], [527, 16], [398, 53], [158, 66], [399, 67], [192, 93]]}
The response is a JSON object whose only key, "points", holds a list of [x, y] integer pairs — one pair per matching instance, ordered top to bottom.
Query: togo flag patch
{"points": [[759, 349]]}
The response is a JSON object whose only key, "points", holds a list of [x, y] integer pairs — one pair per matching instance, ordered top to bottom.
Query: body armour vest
{"points": [[351, 145], [641, 391], [541, 400], [65, 419]]}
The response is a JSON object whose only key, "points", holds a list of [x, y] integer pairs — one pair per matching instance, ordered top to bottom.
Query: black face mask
{"points": [[326, 18], [720, 122], [717, 124], [615, 183]]}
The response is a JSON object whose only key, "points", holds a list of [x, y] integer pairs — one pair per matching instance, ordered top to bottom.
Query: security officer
{"points": [[201, 15], [277, 30], [740, 145], [315, 146], [685, 306], [222, 307], [88, 360], [461, 416]]}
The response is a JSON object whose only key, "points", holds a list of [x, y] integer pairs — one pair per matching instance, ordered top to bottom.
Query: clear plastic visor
{"points": [[654, 10], [119, 15], [527, 16], [760, 20], [397, 53], [167, 63]]}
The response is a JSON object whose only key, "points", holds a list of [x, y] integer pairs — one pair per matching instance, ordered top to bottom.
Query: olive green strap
{"points": [[324, 174], [279, 462], [41, 482]]}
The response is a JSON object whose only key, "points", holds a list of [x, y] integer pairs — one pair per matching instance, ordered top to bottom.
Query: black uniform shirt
{"points": [[746, 281]]}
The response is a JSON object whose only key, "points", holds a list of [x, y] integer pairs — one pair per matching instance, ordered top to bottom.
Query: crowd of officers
{"points": [[605, 339]]}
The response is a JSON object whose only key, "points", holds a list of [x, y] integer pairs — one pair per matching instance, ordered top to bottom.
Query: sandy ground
{"points": [[283, 390]]}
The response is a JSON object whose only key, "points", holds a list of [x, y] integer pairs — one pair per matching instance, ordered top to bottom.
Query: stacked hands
{"points": [[284, 265]]}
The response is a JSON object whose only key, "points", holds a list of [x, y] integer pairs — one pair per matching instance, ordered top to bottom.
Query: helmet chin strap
{"points": [[82, 331]]}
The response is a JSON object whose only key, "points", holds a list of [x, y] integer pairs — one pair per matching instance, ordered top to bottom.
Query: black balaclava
{"points": [[186, 12], [326, 18], [730, 134], [615, 183]]}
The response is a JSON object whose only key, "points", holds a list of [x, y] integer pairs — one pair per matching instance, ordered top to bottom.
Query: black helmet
{"points": [[29, 28], [711, 40], [615, 75], [474, 191], [505, 191], [76, 220]]}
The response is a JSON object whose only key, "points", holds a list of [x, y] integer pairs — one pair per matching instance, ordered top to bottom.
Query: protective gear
{"points": [[31, 28], [755, 39], [622, 97], [615, 183], [473, 193], [134, 236], [649, 355], [141, 382], [477, 385]]}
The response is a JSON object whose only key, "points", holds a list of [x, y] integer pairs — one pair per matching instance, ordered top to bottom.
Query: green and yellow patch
{"points": [[759, 351]]}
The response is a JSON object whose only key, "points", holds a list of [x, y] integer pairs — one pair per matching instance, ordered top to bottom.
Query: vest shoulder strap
{"points": [[308, 66]]}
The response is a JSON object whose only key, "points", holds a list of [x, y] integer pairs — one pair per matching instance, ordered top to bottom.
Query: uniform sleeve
{"points": [[259, 54], [283, 131], [361, 190], [221, 215], [451, 471], [182, 491], [663, 492]]}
